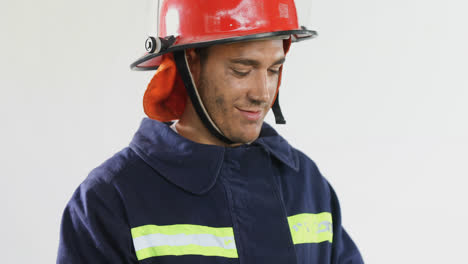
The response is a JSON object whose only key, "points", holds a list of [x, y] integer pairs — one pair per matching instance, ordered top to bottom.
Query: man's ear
{"points": [[193, 59]]}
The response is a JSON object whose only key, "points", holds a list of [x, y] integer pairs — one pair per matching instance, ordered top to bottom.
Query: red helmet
{"points": [[183, 24]]}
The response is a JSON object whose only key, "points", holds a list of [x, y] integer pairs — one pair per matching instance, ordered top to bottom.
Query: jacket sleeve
{"points": [[94, 228], [344, 249]]}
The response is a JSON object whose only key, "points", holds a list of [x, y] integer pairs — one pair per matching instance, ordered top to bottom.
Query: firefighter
{"points": [[204, 179]]}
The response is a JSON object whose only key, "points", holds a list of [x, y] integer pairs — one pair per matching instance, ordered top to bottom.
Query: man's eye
{"points": [[274, 71], [240, 73]]}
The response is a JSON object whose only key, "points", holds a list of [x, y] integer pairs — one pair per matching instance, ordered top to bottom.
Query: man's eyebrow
{"points": [[280, 61], [247, 62], [250, 62]]}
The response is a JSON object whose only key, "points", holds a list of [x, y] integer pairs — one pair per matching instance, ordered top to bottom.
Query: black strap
{"points": [[182, 67], [279, 118]]}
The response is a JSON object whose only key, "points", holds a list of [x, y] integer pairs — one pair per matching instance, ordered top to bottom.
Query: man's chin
{"points": [[246, 136]]}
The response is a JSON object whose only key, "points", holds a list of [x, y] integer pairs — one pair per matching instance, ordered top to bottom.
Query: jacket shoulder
{"points": [[306, 164], [118, 166], [310, 174], [101, 183], [95, 220]]}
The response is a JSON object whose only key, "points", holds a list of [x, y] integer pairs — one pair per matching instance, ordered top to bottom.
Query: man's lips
{"points": [[251, 114]]}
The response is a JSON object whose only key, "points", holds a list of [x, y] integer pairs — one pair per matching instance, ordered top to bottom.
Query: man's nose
{"points": [[259, 91]]}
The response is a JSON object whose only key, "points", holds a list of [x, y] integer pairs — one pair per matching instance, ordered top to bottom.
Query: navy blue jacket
{"points": [[165, 199]]}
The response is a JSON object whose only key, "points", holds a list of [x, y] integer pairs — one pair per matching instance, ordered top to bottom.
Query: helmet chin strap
{"points": [[184, 71], [279, 118]]}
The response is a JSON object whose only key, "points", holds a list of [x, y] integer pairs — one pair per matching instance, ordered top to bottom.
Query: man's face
{"points": [[237, 84]]}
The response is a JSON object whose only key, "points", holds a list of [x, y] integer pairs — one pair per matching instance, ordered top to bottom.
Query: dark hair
{"points": [[203, 53]]}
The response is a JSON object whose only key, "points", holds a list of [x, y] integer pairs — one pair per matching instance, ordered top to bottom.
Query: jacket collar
{"points": [[192, 166]]}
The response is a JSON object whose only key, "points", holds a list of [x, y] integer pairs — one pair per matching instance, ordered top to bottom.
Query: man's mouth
{"points": [[251, 114]]}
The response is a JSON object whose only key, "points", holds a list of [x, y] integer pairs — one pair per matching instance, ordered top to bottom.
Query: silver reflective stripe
{"points": [[205, 240]]}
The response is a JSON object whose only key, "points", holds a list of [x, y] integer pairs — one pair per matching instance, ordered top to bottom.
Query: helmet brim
{"points": [[151, 61]]}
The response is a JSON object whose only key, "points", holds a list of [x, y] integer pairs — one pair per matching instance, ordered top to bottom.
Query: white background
{"points": [[378, 100]]}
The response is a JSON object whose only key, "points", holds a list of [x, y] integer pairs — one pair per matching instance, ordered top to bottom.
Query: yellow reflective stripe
{"points": [[311, 228], [181, 229], [183, 239], [186, 250]]}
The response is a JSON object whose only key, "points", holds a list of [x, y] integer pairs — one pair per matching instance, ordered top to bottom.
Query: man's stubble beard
{"points": [[218, 110]]}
